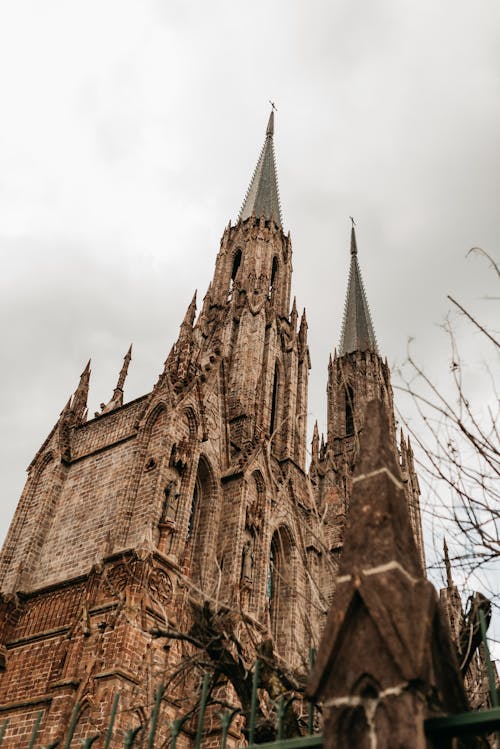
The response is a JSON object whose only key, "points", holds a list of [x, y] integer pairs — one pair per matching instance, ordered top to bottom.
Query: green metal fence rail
{"points": [[472, 723]]}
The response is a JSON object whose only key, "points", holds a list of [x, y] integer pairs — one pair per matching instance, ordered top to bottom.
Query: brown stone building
{"points": [[196, 493]]}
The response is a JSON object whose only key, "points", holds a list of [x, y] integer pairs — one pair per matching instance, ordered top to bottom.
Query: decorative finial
{"points": [[273, 105], [270, 125], [354, 246], [190, 312], [123, 373], [117, 397], [79, 402], [447, 564]]}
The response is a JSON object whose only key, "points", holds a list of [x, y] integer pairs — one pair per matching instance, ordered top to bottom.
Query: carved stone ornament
{"points": [[160, 586]]}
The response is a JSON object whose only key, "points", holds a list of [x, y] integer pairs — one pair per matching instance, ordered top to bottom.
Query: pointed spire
{"points": [[262, 197], [190, 312], [294, 315], [303, 327], [357, 327], [124, 370], [117, 397], [79, 402], [315, 440], [404, 459]]}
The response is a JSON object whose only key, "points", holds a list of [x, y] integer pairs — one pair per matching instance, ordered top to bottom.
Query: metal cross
{"points": [[273, 105], [353, 221]]}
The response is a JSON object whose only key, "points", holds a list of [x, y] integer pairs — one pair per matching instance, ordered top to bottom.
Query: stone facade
{"points": [[196, 493]]}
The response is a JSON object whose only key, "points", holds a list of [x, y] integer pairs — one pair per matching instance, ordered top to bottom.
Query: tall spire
{"points": [[263, 196], [357, 327]]}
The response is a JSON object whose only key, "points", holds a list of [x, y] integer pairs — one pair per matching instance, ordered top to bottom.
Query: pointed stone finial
{"points": [[270, 125], [354, 246], [207, 300], [190, 312], [294, 315], [303, 329], [124, 370], [117, 397], [79, 402], [315, 440], [402, 445], [449, 578]]}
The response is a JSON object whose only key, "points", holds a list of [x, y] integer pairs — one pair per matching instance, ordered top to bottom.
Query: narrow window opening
{"points": [[236, 264], [234, 272], [274, 273], [274, 401], [349, 411], [192, 514], [270, 574]]}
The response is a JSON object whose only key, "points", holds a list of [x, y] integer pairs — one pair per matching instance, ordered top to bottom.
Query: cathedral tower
{"points": [[356, 375], [193, 494], [190, 506]]}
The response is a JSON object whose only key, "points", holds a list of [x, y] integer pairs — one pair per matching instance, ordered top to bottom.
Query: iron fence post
{"points": [[154, 717], [201, 717], [72, 725], [3, 729], [35, 729], [109, 732], [130, 736]]}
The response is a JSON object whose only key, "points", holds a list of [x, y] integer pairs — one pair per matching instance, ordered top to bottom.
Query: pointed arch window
{"points": [[274, 276], [275, 399], [349, 411], [199, 524], [279, 589]]}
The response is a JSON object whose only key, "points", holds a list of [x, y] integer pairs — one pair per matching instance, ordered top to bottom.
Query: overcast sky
{"points": [[129, 132]]}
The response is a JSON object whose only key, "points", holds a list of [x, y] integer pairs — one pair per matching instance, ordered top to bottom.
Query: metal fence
{"points": [[471, 723]]}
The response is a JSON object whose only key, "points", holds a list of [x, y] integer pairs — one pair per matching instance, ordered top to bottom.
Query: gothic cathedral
{"points": [[197, 499]]}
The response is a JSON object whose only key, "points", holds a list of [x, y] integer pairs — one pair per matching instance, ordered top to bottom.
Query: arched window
{"points": [[236, 264], [274, 274], [274, 399], [349, 411], [198, 530], [279, 589]]}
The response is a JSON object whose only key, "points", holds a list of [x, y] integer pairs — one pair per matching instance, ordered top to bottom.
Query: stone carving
{"points": [[160, 586]]}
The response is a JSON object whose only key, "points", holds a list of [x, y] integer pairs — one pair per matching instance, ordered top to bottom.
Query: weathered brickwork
{"points": [[195, 493]]}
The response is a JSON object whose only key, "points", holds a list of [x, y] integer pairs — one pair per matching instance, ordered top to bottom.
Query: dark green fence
{"points": [[472, 723]]}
